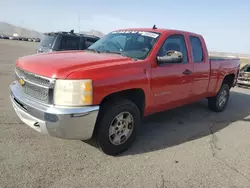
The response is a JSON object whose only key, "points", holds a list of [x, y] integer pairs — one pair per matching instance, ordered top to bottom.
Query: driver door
{"points": [[172, 82]]}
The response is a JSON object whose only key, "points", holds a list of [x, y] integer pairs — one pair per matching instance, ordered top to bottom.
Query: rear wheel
{"points": [[219, 102], [117, 126]]}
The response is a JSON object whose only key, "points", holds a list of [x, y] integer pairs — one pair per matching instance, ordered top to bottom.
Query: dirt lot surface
{"points": [[187, 147]]}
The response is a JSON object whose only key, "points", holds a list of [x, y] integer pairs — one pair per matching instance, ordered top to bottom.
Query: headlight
{"points": [[73, 92]]}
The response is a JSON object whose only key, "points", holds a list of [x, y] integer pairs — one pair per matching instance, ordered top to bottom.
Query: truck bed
{"points": [[219, 58], [219, 67]]}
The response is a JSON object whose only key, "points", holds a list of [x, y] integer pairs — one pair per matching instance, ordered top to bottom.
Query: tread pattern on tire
{"points": [[212, 101], [109, 110]]}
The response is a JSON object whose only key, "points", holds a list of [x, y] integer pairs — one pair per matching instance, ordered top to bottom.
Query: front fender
{"points": [[125, 79]]}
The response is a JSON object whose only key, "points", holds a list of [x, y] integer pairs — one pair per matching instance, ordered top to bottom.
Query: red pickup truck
{"points": [[104, 91]]}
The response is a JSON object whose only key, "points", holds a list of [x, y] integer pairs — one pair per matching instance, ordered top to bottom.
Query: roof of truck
{"points": [[158, 30]]}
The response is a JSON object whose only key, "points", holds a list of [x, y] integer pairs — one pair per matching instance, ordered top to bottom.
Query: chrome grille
{"points": [[33, 78], [37, 87], [35, 91]]}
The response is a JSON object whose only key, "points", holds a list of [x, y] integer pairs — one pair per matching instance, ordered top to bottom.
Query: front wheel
{"points": [[219, 102], [117, 126]]}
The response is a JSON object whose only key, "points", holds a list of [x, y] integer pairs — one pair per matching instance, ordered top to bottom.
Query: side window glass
{"points": [[89, 42], [70, 43], [177, 43], [196, 49], [248, 69]]}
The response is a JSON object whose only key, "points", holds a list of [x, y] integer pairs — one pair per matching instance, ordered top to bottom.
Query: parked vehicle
{"points": [[4, 37], [24, 39], [36, 40], [62, 41], [244, 76], [106, 90]]}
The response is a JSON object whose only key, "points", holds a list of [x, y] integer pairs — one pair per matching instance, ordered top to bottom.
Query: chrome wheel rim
{"points": [[222, 98], [121, 128]]}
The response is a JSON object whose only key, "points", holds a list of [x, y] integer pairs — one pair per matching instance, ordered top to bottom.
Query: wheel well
{"points": [[229, 79], [137, 96]]}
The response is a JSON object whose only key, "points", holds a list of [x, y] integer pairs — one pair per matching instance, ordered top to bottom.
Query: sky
{"points": [[225, 25]]}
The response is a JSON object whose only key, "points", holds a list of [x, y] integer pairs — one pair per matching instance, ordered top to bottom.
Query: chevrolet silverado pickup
{"points": [[106, 90]]}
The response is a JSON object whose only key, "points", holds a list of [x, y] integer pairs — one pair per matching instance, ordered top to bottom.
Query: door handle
{"points": [[187, 71]]}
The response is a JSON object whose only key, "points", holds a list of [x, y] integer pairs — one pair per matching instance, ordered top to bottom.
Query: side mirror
{"points": [[172, 56]]}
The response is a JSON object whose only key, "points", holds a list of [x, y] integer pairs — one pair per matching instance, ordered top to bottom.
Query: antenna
{"points": [[79, 23], [154, 27], [21, 28], [72, 31]]}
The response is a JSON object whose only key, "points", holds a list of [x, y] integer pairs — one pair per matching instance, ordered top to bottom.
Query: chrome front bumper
{"points": [[62, 122]]}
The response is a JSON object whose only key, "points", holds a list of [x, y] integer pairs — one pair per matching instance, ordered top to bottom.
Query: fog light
{"points": [[50, 117]]}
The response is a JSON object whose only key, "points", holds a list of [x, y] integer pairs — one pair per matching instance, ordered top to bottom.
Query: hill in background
{"points": [[9, 29], [93, 32], [226, 54]]}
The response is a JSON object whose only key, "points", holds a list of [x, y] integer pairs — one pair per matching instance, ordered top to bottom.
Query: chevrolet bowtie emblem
{"points": [[21, 81]]}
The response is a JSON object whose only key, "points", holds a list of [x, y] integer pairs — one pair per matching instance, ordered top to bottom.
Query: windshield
{"points": [[48, 40], [134, 44], [245, 68]]}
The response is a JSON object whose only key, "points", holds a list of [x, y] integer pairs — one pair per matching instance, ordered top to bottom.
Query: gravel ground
{"points": [[187, 147]]}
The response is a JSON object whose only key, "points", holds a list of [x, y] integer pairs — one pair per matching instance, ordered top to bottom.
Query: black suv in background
{"points": [[61, 41]]}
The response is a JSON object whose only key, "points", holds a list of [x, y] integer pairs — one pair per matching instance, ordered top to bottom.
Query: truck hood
{"points": [[61, 64]]}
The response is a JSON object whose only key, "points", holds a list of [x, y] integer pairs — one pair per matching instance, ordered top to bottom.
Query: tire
{"points": [[214, 102], [108, 115]]}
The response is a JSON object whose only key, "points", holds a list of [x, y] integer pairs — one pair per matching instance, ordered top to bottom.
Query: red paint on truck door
{"points": [[172, 82]]}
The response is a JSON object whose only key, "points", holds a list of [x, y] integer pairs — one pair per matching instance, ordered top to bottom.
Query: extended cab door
{"points": [[201, 71], [172, 82]]}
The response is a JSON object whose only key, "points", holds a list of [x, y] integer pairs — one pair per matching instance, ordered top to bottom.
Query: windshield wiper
{"points": [[92, 50], [114, 52], [120, 53]]}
